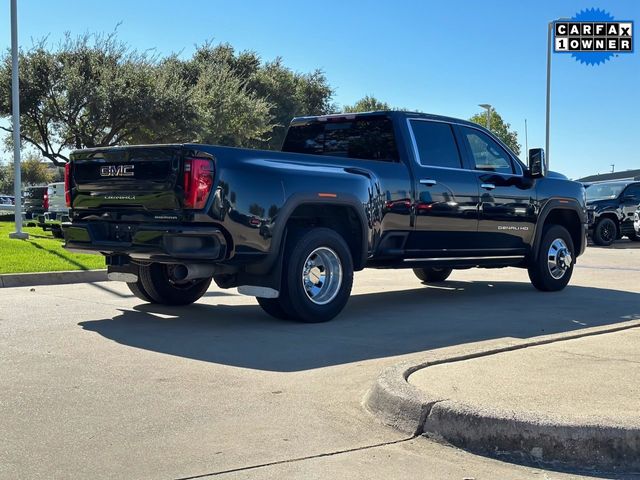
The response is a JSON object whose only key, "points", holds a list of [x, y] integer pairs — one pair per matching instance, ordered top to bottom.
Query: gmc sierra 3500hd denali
{"points": [[378, 189]]}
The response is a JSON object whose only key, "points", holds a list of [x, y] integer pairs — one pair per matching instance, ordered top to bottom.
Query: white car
{"points": [[6, 203]]}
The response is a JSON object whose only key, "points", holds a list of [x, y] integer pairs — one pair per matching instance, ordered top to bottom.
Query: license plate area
{"points": [[112, 232], [121, 233]]}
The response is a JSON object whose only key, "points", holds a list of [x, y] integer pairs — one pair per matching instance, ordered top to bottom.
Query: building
{"points": [[604, 177]]}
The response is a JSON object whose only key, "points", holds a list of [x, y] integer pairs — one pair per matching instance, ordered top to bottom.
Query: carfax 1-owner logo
{"points": [[593, 36]]}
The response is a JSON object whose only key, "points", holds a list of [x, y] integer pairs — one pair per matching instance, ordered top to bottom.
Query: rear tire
{"points": [[605, 232], [550, 272], [432, 274], [317, 275], [157, 284], [138, 290], [273, 306]]}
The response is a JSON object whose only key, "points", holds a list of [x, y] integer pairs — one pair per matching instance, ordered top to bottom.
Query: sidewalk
{"points": [[575, 401]]}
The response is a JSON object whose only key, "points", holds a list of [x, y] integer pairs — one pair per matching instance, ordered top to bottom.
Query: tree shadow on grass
{"points": [[71, 261], [373, 325]]}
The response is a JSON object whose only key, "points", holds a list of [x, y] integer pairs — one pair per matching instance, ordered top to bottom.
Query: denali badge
{"points": [[116, 171], [513, 227]]}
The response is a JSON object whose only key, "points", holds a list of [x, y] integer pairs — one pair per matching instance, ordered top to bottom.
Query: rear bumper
{"points": [[156, 242]]}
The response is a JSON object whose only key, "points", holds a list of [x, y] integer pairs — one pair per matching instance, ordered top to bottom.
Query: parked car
{"points": [[378, 190], [34, 201], [6, 203], [56, 209], [610, 209], [636, 221]]}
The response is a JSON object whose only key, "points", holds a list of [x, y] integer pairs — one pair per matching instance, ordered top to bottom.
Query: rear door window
{"points": [[366, 138], [436, 144]]}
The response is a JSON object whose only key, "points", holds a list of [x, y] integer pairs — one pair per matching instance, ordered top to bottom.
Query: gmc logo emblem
{"points": [[116, 171]]}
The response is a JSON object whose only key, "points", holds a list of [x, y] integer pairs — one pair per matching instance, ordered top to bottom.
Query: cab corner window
{"points": [[436, 144], [485, 153]]}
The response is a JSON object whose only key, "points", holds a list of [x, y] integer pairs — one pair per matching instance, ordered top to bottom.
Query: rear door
{"points": [[143, 178], [507, 197], [446, 203]]}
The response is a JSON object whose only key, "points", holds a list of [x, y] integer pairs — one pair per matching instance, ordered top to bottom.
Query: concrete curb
{"points": [[8, 280], [401, 405]]}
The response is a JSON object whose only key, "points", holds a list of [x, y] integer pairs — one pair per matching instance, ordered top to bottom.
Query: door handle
{"points": [[428, 182], [488, 186]]}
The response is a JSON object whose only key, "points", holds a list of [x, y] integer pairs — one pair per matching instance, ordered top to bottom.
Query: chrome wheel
{"points": [[559, 258], [322, 275]]}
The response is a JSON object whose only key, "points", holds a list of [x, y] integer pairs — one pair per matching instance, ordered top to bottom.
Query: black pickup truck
{"points": [[347, 191], [610, 210]]}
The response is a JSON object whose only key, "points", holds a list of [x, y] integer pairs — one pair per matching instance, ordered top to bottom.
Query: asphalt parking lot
{"points": [[95, 384]]}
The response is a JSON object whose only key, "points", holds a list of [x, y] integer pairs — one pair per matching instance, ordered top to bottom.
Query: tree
{"points": [[91, 91], [95, 91], [287, 93], [368, 103], [500, 129], [34, 171], [6, 179]]}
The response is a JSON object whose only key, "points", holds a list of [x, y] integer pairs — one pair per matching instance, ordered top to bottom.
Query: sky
{"points": [[442, 57]]}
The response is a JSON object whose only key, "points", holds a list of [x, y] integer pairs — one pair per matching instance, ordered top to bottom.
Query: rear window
{"points": [[366, 138], [35, 192]]}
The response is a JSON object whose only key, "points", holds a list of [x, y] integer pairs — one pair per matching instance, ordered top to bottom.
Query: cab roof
{"points": [[394, 114]]}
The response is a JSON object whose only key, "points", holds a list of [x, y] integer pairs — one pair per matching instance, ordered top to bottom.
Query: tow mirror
{"points": [[537, 164]]}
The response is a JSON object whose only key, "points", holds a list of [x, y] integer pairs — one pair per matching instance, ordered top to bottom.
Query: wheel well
{"points": [[612, 216], [342, 218], [571, 221]]}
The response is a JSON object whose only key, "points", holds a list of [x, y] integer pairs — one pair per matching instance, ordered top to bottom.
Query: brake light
{"points": [[198, 181], [67, 184], [45, 202]]}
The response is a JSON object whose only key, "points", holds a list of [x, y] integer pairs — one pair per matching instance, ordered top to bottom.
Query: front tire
{"points": [[605, 232], [553, 268], [432, 274], [317, 275], [157, 284]]}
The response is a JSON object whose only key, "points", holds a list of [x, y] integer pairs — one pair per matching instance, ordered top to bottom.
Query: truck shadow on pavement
{"points": [[375, 325]]}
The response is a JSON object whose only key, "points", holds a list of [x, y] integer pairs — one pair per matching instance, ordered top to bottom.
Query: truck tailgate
{"points": [[136, 178]]}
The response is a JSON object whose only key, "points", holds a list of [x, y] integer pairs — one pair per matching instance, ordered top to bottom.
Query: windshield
{"points": [[601, 191]]}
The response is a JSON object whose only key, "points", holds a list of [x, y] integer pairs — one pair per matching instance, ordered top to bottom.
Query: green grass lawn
{"points": [[41, 253]]}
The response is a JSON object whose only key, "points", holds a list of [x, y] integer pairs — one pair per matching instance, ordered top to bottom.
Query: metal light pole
{"points": [[15, 100], [488, 108]]}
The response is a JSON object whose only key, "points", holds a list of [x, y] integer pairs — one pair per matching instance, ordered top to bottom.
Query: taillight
{"points": [[198, 181], [67, 184], [45, 201]]}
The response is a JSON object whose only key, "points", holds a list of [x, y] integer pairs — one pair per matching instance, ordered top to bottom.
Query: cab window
{"points": [[436, 144], [486, 154], [633, 191]]}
